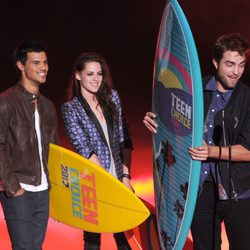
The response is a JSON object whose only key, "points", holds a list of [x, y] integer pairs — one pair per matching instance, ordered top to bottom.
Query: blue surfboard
{"points": [[178, 104]]}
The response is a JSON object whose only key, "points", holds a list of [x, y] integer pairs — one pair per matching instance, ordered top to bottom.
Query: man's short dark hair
{"points": [[230, 42], [26, 46]]}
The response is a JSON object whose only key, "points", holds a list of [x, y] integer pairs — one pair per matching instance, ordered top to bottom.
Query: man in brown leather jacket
{"points": [[28, 124]]}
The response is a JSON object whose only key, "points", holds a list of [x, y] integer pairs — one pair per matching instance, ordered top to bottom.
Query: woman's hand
{"points": [[126, 182]]}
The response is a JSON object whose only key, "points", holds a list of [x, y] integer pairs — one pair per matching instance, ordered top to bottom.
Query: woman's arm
{"points": [[75, 131], [127, 156]]}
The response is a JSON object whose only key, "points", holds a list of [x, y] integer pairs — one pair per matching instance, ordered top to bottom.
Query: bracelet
{"points": [[219, 152], [126, 176]]}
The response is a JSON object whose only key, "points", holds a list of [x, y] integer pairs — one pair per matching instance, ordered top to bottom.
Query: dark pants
{"points": [[210, 212], [27, 218], [92, 241]]}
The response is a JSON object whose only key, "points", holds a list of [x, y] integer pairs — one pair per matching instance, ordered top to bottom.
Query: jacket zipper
{"points": [[234, 194]]}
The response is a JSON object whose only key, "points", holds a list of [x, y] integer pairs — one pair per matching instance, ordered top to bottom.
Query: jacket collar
{"points": [[26, 93]]}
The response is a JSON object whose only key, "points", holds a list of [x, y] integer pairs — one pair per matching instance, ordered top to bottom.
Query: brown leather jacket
{"points": [[19, 156]]}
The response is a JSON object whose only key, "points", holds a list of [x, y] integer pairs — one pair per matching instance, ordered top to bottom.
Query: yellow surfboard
{"points": [[86, 196]]}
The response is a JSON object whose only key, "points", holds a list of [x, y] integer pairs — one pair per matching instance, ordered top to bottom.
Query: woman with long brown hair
{"points": [[96, 127]]}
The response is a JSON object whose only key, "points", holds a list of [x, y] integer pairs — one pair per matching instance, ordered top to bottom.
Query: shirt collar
{"points": [[211, 86]]}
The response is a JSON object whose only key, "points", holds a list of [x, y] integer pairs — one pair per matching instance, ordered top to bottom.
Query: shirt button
{"points": [[218, 95], [212, 110], [210, 126], [210, 142], [205, 172]]}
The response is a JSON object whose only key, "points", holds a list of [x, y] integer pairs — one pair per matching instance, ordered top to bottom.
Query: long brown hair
{"points": [[104, 93]]}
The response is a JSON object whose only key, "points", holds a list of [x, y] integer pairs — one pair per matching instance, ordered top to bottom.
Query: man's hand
{"points": [[150, 123], [199, 153], [1, 186], [20, 192]]}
